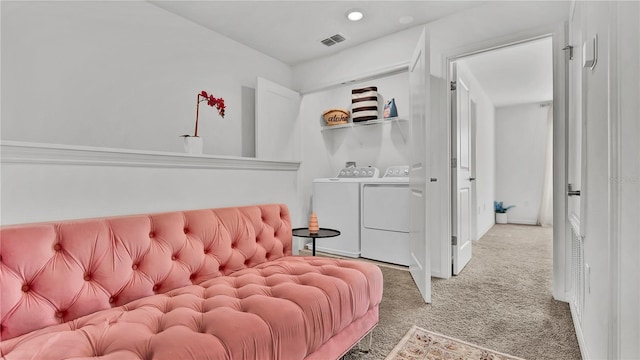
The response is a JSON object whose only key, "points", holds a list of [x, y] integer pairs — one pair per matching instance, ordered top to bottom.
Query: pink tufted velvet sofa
{"points": [[202, 284]]}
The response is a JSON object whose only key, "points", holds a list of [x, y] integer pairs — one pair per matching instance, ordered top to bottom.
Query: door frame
{"points": [[473, 109], [561, 246], [458, 258]]}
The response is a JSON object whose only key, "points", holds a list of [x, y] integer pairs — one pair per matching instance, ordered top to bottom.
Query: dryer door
{"points": [[386, 207]]}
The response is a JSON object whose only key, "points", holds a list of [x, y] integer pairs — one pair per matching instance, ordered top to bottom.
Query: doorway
{"points": [[501, 140]]}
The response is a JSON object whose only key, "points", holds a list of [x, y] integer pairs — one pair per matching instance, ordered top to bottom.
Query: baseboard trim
{"points": [[523, 222], [484, 231], [565, 297], [579, 335]]}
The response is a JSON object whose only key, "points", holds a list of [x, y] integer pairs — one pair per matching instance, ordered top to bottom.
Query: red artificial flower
{"points": [[218, 103]]}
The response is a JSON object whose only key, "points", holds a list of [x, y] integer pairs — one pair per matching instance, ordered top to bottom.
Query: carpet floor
{"points": [[501, 301]]}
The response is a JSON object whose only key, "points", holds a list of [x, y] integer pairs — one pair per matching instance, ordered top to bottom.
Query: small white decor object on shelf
{"points": [[193, 145]]}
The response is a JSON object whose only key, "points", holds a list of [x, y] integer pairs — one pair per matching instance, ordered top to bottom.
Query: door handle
{"points": [[472, 179], [571, 192]]}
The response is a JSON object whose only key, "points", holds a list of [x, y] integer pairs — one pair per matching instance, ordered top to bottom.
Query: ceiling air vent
{"points": [[332, 40]]}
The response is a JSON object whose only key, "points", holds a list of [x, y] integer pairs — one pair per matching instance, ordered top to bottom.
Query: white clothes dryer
{"points": [[336, 202], [385, 218]]}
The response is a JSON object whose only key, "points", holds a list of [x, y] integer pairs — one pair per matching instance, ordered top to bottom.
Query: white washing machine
{"points": [[336, 202], [385, 220]]}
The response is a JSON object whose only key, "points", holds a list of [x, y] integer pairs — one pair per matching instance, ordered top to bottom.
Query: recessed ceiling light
{"points": [[354, 14], [405, 19]]}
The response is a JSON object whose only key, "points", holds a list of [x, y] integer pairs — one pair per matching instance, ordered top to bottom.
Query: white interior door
{"points": [[419, 79], [277, 128], [575, 139], [575, 157], [461, 172]]}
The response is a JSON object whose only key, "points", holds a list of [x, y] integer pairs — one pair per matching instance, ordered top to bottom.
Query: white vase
{"points": [[193, 145], [501, 218]]}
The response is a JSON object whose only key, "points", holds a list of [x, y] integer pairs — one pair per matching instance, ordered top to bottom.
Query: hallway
{"points": [[501, 300]]}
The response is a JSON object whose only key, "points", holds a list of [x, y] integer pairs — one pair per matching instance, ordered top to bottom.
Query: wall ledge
{"points": [[17, 152]]}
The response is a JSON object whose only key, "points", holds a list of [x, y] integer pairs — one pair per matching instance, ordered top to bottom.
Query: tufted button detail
{"points": [[186, 230], [152, 234], [57, 247], [206, 251], [174, 258], [246, 262], [134, 266], [192, 276], [87, 277], [156, 287], [25, 288], [112, 300], [59, 314]]}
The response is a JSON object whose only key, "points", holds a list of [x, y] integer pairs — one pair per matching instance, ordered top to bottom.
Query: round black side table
{"points": [[322, 233]]}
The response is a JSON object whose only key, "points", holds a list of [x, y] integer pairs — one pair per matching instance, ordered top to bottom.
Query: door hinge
{"points": [[570, 48], [453, 86], [454, 163], [454, 240]]}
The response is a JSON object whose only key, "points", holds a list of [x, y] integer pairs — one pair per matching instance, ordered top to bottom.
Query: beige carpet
{"points": [[501, 301], [421, 344]]}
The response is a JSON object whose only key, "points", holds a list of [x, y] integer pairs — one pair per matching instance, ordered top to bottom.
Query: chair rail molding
{"points": [[40, 153]]}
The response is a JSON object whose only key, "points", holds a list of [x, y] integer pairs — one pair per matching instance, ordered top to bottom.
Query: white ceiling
{"points": [[290, 31], [516, 74]]}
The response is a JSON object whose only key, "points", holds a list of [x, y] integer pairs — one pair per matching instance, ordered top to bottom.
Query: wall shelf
{"points": [[366, 123]]}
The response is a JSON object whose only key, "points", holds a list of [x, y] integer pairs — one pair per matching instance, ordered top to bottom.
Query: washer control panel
{"points": [[401, 171], [359, 172]]}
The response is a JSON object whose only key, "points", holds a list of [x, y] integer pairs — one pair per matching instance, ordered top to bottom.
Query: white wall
{"points": [[628, 28], [124, 75], [521, 138], [379, 145], [485, 153], [611, 180], [53, 182], [595, 186]]}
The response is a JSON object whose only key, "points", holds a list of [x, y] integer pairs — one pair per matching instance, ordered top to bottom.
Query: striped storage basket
{"points": [[364, 104]]}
